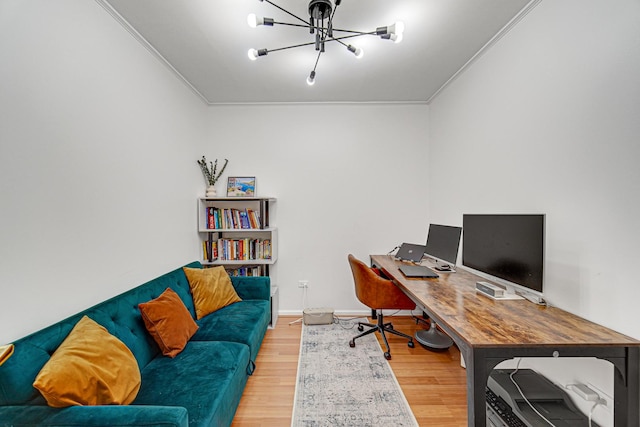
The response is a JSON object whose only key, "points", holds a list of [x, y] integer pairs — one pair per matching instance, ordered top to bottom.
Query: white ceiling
{"points": [[206, 42]]}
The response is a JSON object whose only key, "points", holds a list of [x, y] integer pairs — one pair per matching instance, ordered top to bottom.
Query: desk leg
{"points": [[479, 363], [476, 383], [626, 391]]}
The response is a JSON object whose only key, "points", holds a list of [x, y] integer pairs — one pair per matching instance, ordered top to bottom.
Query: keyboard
{"points": [[498, 407]]}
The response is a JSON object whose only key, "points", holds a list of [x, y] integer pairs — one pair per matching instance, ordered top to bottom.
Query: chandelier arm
{"points": [[287, 12], [333, 14], [291, 25], [354, 32], [359, 33], [333, 39], [338, 39], [291, 47], [317, 59]]}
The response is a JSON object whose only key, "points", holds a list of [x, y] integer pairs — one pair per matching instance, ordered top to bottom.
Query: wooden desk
{"points": [[488, 331]]}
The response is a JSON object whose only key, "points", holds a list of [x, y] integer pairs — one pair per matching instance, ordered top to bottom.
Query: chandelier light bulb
{"points": [[252, 20], [398, 28], [396, 38], [356, 51], [252, 54], [311, 80]]}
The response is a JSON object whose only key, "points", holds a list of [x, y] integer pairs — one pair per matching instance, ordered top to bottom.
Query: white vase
{"points": [[211, 191]]}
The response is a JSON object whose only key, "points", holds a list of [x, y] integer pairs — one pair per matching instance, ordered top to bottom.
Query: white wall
{"points": [[547, 122], [98, 178], [348, 178]]}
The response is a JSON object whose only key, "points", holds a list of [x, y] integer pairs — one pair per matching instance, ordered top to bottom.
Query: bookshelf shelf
{"points": [[235, 232]]}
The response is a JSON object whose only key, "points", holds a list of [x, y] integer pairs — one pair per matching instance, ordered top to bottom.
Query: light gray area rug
{"points": [[342, 386]]}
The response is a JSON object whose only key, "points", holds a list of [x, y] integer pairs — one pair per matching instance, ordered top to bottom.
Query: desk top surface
{"points": [[481, 321]]}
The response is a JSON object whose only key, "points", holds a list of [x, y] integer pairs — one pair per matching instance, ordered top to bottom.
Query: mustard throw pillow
{"points": [[211, 289], [169, 322], [91, 367]]}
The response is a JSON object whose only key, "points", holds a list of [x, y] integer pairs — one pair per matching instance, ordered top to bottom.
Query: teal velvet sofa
{"points": [[201, 386]]}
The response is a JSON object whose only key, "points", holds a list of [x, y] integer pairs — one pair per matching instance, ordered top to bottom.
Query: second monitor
{"points": [[443, 242]]}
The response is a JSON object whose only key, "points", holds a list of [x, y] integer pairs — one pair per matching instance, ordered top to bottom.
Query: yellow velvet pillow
{"points": [[211, 289], [169, 322], [5, 352], [90, 367]]}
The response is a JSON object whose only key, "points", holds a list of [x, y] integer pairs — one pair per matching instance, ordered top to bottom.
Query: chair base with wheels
{"points": [[382, 328]]}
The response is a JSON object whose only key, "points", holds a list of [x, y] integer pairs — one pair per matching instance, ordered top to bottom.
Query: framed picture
{"points": [[241, 186]]}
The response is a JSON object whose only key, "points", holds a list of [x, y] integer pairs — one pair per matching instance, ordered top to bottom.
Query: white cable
{"points": [[305, 298], [304, 305], [523, 396], [597, 402]]}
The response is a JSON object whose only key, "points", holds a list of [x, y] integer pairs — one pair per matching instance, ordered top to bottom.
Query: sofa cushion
{"points": [[211, 289], [168, 321], [243, 322], [91, 367], [206, 378]]}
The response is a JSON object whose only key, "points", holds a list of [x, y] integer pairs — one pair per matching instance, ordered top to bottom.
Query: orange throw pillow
{"points": [[211, 289], [169, 322], [90, 367]]}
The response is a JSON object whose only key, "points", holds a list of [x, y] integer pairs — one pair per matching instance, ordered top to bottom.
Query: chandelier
{"points": [[320, 25]]}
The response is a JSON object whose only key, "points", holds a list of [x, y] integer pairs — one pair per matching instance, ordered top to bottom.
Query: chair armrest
{"points": [[252, 287], [94, 416]]}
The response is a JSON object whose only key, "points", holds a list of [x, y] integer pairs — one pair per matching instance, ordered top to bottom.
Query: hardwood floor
{"points": [[433, 382]]}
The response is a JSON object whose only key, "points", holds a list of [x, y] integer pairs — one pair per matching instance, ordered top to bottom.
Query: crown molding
{"points": [[503, 31], [144, 42]]}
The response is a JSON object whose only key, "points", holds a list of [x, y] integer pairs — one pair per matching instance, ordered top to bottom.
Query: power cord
{"points": [[304, 305], [346, 322], [522, 393], [587, 394], [591, 411]]}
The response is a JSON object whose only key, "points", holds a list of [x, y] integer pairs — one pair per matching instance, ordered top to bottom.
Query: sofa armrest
{"points": [[252, 287], [94, 416]]}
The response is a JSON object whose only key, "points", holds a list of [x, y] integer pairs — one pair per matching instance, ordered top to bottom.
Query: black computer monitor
{"points": [[442, 245], [508, 247]]}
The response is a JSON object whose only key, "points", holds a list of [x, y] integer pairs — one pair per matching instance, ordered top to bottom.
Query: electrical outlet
{"points": [[303, 283], [607, 400]]}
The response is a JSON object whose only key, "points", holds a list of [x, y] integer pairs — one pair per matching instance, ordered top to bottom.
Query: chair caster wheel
{"points": [[360, 328], [352, 343], [411, 344], [387, 355]]}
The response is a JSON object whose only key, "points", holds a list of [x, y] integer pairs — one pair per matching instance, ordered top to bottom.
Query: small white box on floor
{"points": [[317, 316]]}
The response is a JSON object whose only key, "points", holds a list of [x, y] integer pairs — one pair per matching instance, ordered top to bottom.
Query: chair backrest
{"points": [[377, 292]]}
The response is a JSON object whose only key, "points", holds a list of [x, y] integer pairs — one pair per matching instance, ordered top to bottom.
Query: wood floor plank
{"points": [[434, 383]]}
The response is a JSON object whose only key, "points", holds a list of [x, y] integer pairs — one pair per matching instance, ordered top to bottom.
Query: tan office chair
{"points": [[378, 293]]}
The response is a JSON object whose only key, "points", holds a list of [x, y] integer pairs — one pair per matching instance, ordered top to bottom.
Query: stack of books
{"points": [[232, 219], [237, 249], [244, 271]]}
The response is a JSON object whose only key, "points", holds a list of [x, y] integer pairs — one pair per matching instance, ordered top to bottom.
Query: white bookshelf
{"points": [[262, 206]]}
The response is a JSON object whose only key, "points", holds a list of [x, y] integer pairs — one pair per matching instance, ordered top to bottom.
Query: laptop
{"points": [[410, 252], [418, 271]]}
